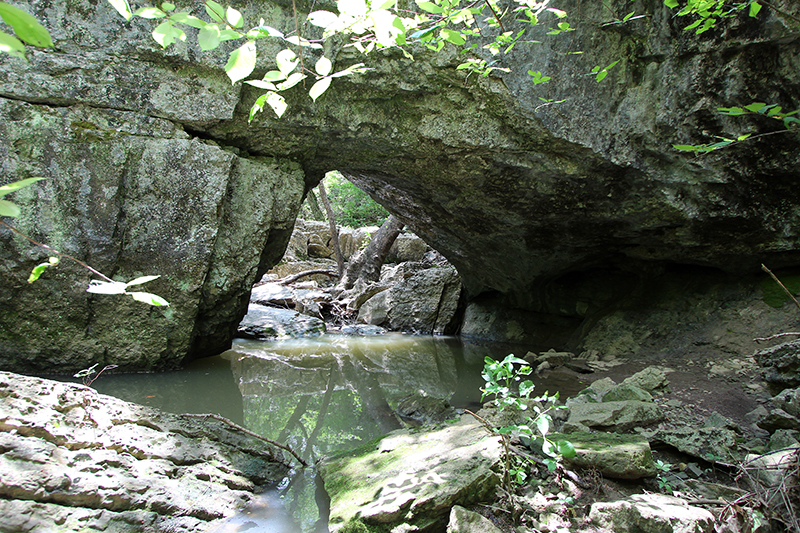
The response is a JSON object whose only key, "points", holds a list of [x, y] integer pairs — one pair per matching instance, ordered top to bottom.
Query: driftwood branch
{"points": [[295, 277], [777, 335], [246, 431]]}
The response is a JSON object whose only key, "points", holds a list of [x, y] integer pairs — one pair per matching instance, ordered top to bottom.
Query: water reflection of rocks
{"points": [[331, 393]]}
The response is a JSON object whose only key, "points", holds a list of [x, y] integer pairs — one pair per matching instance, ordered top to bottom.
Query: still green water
{"points": [[318, 395]]}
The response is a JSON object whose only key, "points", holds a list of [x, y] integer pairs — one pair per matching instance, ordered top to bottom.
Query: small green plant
{"points": [[504, 380], [662, 478]]}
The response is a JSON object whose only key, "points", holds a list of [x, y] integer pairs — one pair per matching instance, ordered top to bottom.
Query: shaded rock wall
{"points": [[536, 203]]}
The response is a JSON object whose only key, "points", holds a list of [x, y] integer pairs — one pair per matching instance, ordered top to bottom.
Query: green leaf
{"points": [[672, 4], [168, 6], [122, 7], [430, 7], [755, 7], [215, 11], [150, 13], [234, 17], [323, 19], [189, 20], [25, 26], [268, 31], [166, 33], [228, 34], [453, 36], [208, 37], [11, 45], [242, 61], [323, 66], [294, 79], [262, 84], [319, 88], [755, 107], [731, 111], [685, 147], [11, 187], [8, 209], [38, 270], [140, 280], [148, 298], [565, 448]]}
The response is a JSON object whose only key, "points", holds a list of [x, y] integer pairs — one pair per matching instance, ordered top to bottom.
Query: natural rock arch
{"points": [[533, 201]]}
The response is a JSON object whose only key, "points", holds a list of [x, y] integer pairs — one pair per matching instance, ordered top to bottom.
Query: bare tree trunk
{"points": [[323, 195], [316, 212], [366, 264]]}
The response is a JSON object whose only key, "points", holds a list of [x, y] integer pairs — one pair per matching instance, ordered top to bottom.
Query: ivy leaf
{"points": [[122, 7], [25, 26], [208, 37], [11, 45], [242, 61], [323, 66], [319, 88], [148, 298]]}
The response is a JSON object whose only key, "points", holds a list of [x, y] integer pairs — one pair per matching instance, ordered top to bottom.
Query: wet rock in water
{"points": [[262, 322], [363, 330], [781, 364], [427, 410], [611, 416], [712, 444], [613, 455], [84, 460], [411, 478], [651, 513], [464, 521]]}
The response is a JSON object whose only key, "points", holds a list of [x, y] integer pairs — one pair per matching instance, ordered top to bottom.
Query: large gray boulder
{"points": [[86, 461], [651, 513]]}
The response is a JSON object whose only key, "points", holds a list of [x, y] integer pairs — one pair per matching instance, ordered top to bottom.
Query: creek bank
{"points": [[85, 461], [713, 476]]}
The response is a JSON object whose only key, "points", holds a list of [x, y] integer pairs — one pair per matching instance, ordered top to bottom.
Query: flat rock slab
{"points": [[262, 322], [612, 416], [613, 455], [90, 462], [409, 480], [651, 513]]}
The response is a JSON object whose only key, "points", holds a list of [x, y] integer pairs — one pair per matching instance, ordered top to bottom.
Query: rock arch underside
{"points": [[551, 200]]}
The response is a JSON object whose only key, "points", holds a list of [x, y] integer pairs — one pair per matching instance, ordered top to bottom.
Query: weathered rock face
{"points": [[545, 206], [86, 461]]}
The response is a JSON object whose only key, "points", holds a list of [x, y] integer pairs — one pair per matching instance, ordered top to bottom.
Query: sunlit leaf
{"points": [[672, 4], [168, 6], [122, 7], [430, 7], [755, 7], [215, 11], [150, 13], [234, 17], [323, 19], [189, 20], [25, 26], [268, 31], [166, 33], [453, 36], [208, 37], [11, 45], [286, 60], [242, 61], [323, 66], [294, 79], [262, 84], [319, 88], [277, 103], [14, 186], [8, 209], [38, 270], [140, 280], [106, 287], [148, 298], [565, 448]]}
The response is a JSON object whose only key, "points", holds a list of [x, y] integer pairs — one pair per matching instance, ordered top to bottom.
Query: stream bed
{"points": [[318, 395]]}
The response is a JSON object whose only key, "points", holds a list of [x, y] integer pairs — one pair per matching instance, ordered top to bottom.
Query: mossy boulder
{"points": [[614, 455], [411, 477]]}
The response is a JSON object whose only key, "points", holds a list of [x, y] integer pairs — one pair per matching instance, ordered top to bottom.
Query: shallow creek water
{"points": [[318, 395]]}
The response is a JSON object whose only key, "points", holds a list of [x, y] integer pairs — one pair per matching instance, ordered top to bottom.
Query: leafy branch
{"points": [[104, 286]]}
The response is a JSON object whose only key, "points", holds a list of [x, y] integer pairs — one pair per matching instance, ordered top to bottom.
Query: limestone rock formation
{"points": [[556, 199], [86, 461]]}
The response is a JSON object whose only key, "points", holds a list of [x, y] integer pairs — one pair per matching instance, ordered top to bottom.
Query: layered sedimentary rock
{"points": [[556, 199]]}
